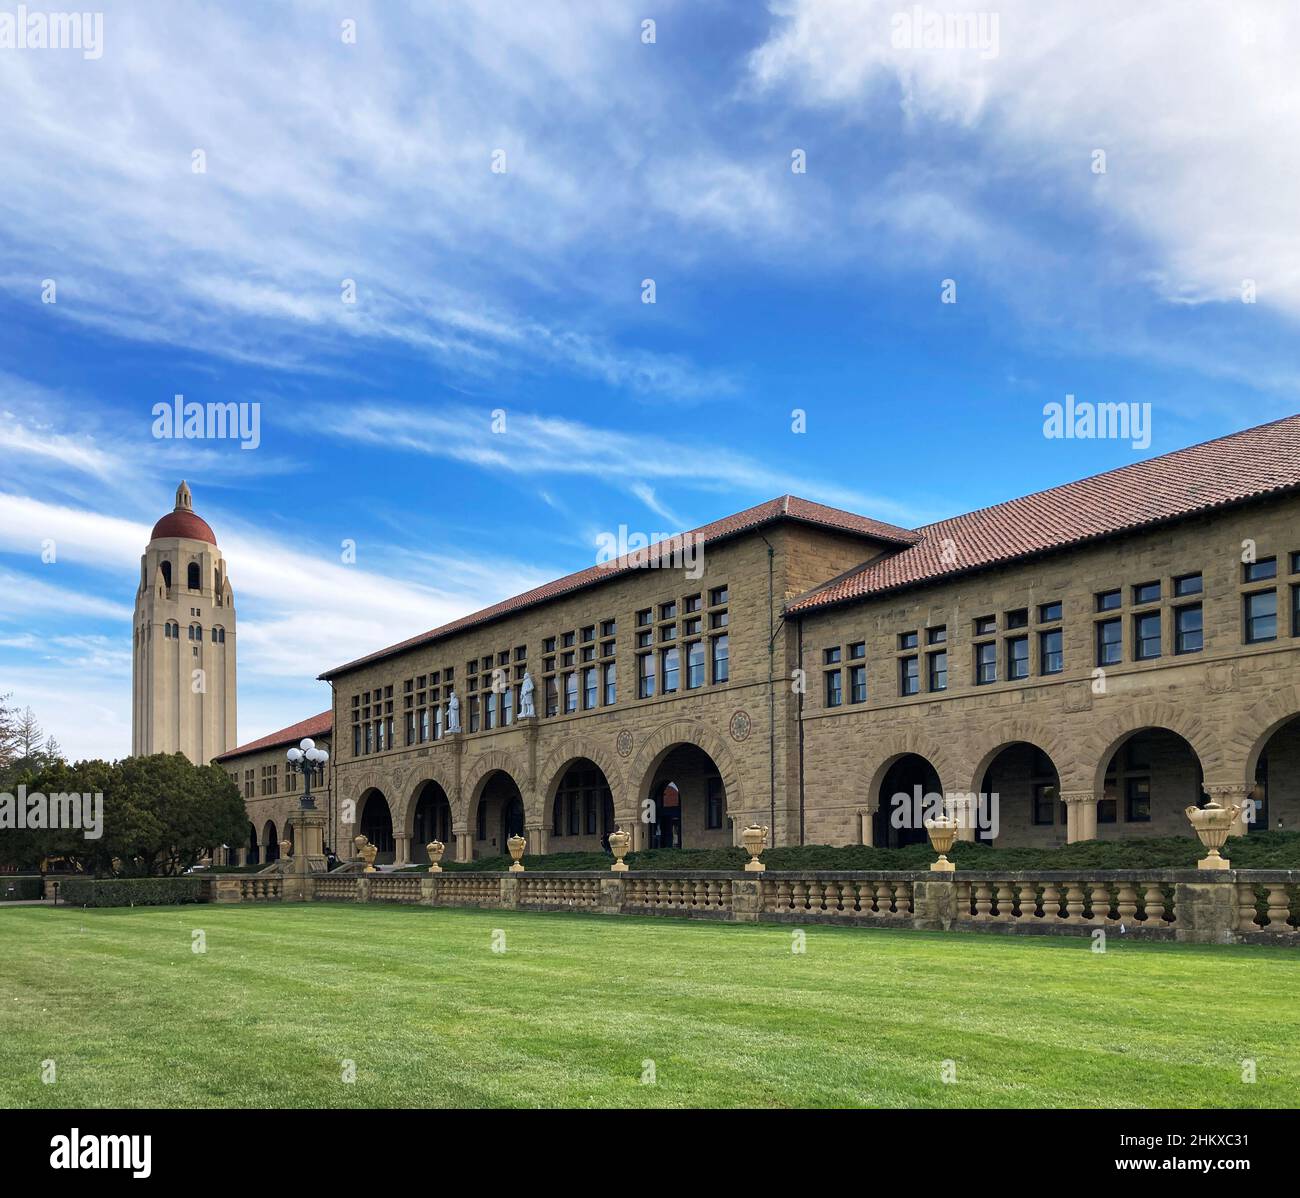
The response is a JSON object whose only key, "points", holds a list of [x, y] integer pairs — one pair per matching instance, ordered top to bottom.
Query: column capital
{"points": [[1078, 796]]}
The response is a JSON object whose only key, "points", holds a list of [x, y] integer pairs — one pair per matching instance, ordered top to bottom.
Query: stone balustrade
{"points": [[1221, 907]]}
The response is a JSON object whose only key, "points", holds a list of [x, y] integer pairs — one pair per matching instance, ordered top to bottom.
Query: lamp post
{"points": [[304, 760], [307, 823]]}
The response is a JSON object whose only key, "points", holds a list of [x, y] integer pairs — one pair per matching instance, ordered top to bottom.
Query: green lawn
{"points": [[567, 1015]]}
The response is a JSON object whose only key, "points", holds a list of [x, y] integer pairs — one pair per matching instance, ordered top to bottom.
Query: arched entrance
{"points": [[1151, 776], [1276, 796], [1024, 798], [686, 801], [582, 813], [899, 813], [499, 815], [431, 820], [376, 825], [270, 843], [254, 854]]}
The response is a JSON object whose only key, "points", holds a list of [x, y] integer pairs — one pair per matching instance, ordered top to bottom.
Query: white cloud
{"points": [[1200, 190]]}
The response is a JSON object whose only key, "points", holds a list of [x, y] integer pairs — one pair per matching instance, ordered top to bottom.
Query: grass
{"points": [[1259, 850], [571, 1011]]}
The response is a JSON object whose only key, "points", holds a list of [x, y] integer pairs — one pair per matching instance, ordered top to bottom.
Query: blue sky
{"points": [[520, 291]]}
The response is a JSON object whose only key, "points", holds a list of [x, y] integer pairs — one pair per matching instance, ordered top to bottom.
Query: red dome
{"points": [[183, 524]]}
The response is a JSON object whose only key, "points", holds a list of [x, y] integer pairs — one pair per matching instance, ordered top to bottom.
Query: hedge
{"points": [[15, 889], [132, 892]]}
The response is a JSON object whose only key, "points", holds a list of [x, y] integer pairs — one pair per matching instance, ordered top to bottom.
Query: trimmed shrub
{"points": [[15, 889], [132, 892]]}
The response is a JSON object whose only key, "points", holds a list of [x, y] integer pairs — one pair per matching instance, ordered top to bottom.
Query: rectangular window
{"points": [[1258, 571], [1188, 584], [1146, 592], [718, 596], [1109, 600], [691, 603], [668, 611], [1295, 611], [1049, 613], [643, 617], [1261, 617], [1018, 618], [718, 619], [986, 625], [937, 635], [1146, 636], [1189, 636], [907, 640], [1110, 646], [858, 651], [1051, 654], [831, 656], [1018, 658], [721, 659], [986, 663], [694, 665], [671, 670], [938, 670], [645, 676], [909, 676], [857, 684], [589, 688], [834, 688], [611, 689], [570, 693], [552, 696], [489, 711], [473, 713], [410, 727], [356, 740], [1137, 800], [714, 803], [1044, 803], [1107, 811], [589, 812], [574, 826], [481, 829]]}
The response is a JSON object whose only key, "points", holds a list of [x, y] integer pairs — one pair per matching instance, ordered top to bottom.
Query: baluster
{"points": [[815, 891], [711, 893], [798, 895], [848, 898], [903, 899], [884, 900], [964, 900], [1006, 900], [1028, 901], [983, 902], [1051, 902], [1074, 902], [1101, 903], [1154, 903], [1279, 909], [1246, 913]]}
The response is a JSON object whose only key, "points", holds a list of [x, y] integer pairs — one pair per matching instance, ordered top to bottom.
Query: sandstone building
{"points": [[1094, 657]]}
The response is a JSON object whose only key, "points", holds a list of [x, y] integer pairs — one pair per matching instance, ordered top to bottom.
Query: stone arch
{"points": [[1253, 731], [1111, 734], [900, 744], [657, 745], [485, 765], [1072, 772], [552, 773], [412, 787]]}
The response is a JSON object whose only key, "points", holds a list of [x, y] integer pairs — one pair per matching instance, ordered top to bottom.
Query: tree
{"points": [[8, 732], [29, 737], [160, 814]]}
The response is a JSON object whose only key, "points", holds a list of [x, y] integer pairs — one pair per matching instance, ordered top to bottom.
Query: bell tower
{"points": [[183, 655]]}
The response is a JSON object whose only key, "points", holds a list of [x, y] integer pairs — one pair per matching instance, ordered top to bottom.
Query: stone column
{"points": [[1228, 794], [964, 808], [1080, 815], [867, 826], [634, 828], [464, 842], [401, 848], [242, 858]]}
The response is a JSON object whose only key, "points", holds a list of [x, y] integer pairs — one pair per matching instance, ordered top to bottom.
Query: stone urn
{"points": [[1212, 824], [942, 831], [754, 838], [619, 843], [516, 844], [435, 849], [368, 854]]}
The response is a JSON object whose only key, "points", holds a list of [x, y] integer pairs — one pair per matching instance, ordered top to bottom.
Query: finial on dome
{"points": [[184, 500]]}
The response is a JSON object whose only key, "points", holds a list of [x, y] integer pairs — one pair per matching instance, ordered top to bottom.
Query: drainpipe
{"points": [[771, 684], [799, 717], [335, 741]]}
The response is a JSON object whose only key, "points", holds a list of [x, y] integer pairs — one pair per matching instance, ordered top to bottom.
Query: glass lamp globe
{"points": [[306, 744], [294, 755]]}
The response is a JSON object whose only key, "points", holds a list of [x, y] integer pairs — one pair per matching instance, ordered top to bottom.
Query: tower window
{"points": [[166, 568], [194, 582], [196, 632], [218, 635]]}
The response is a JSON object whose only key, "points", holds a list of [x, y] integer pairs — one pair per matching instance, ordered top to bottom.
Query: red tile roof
{"points": [[1257, 462], [786, 507], [183, 524], [317, 725]]}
